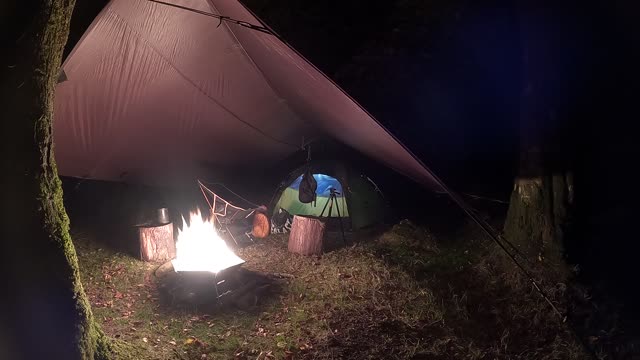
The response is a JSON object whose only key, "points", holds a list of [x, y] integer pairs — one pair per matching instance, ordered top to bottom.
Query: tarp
{"points": [[152, 91]]}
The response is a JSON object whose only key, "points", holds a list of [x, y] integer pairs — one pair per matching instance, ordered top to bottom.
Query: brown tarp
{"points": [[152, 90]]}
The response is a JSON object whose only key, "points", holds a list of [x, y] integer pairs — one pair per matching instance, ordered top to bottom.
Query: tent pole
{"points": [[333, 195]]}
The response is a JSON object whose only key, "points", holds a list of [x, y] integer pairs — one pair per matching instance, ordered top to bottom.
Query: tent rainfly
{"points": [[153, 90], [357, 200]]}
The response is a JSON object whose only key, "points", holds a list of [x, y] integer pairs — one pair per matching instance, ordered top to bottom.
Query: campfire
{"points": [[200, 248], [206, 272]]}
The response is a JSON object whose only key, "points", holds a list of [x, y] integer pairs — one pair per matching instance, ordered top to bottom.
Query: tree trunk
{"points": [[543, 192], [306, 236], [157, 243], [44, 311]]}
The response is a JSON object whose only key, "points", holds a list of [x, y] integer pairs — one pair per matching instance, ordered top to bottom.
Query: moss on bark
{"points": [[535, 217], [49, 315]]}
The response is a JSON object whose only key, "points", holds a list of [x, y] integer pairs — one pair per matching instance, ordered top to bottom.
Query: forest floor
{"points": [[409, 292]]}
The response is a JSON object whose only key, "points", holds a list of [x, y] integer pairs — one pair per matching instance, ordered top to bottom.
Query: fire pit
{"points": [[207, 272], [234, 287]]}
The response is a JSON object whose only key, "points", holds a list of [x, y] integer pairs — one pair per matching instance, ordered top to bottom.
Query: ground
{"points": [[403, 293]]}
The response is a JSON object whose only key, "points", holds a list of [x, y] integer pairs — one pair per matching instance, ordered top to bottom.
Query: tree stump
{"points": [[306, 236], [156, 243]]}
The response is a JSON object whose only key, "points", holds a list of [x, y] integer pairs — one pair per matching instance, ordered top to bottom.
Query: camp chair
{"points": [[228, 217]]}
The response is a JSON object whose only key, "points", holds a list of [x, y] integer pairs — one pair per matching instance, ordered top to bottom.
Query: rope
{"points": [[221, 18], [229, 190], [477, 197], [493, 231], [498, 239]]}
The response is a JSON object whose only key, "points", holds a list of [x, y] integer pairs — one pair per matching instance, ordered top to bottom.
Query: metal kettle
{"points": [[162, 216]]}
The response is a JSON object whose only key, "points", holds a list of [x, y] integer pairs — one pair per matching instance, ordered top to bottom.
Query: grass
{"points": [[404, 294]]}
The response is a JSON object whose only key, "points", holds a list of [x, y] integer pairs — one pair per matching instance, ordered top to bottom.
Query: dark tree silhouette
{"points": [[543, 190], [44, 311]]}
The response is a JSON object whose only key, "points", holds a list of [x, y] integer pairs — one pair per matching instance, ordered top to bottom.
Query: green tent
{"points": [[357, 199]]}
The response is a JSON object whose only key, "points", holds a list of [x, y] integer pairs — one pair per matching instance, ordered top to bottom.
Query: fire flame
{"points": [[200, 248]]}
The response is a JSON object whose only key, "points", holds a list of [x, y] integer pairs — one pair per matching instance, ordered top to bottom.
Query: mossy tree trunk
{"points": [[543, 191], [538, 213], [44, 311]]}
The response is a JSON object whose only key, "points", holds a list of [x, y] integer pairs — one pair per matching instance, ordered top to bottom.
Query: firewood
{"points": [[306, 236], [157, 243]]}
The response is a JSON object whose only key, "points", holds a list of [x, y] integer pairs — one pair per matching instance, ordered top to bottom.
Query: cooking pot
{"points": [[162, 216]]}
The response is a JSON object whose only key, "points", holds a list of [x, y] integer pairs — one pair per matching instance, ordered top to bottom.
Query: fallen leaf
{"points": [[144, 339], [189, 341], [172, 342]]}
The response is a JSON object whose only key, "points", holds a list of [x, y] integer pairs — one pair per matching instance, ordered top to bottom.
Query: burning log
{"points": [[306, 236], [156, 243]]}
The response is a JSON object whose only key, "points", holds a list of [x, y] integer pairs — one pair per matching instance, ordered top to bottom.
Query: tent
{"points": [[153, 92], [358, 199]]}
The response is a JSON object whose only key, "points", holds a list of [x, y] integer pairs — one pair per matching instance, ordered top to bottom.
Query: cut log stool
{"points": [[306, 235], [156, 243]]}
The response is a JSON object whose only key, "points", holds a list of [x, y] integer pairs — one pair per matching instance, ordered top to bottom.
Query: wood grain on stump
{"points": [[306, 236], [156, 243]]}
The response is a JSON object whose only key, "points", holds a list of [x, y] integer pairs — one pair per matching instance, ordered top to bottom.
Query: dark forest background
{"points": [[446, 77]]}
